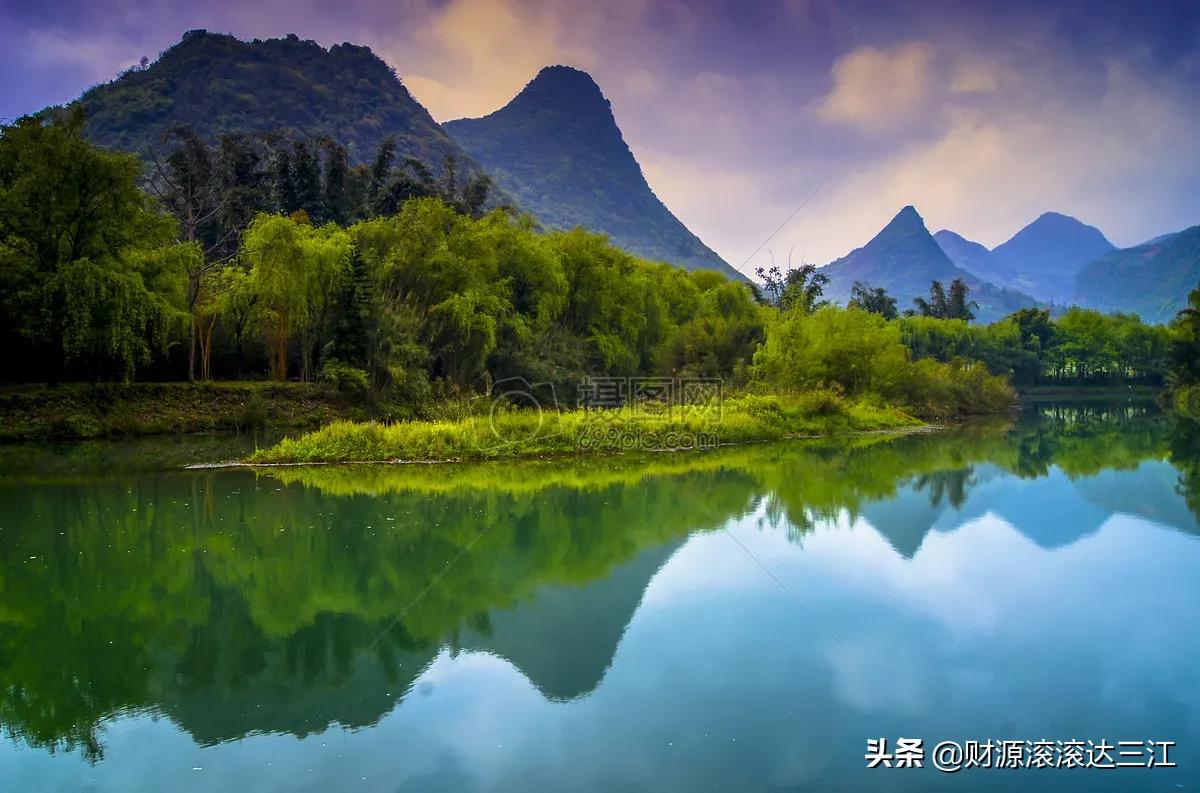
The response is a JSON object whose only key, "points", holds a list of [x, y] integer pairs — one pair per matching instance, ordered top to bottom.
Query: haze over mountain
{"points": [[215, 83], [556, 147], [1045, 257], [904, 259], [1151, 280]]}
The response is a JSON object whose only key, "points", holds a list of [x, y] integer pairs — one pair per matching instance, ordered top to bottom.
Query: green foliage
{"points": [[215, 84], [88, 278], [800, 289], [875, 300], [957, 306], [1185, 343], [1082, 347], [861, 353], [345, 378], [537, 433]]}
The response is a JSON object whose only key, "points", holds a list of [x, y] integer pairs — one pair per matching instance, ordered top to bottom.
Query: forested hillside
{"points": [[214, 83], [556, 147], [1151, 280]]}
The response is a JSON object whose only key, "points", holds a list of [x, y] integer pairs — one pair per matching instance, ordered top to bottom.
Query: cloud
{"points": [[472, 56], [96, 58], [974, 77], [872, 85], [987, 171]]}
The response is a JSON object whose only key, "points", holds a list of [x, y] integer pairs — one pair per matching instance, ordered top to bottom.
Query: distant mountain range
{"points": [[556, 147], [557, 152], [1045, 257], [904, 258], [1054, 261], [1152, 279]]}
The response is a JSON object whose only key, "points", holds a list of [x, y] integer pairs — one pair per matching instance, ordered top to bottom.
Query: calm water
{"points": [[742, 620]]}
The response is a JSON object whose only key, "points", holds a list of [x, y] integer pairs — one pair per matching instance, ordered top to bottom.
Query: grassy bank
{"points": [[80, 411], [529, 433]]}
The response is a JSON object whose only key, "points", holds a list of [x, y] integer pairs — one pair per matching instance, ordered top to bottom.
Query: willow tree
{"points": [[295, 268], [438, 273], [88, 274]]}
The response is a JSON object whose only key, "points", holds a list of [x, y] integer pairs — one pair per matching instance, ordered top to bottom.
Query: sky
{"points": [[779, 130]]}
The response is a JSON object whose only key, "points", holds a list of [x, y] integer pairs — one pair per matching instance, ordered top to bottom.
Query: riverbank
{"points": [[1076, 392], [81, 411], [517, 434]]}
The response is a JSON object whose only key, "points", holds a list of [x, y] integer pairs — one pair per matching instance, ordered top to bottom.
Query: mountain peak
{"points": [[565, 75], [216, 83], [562, 89], [557, 148], [907, 222], [1062, 226], [1047, 254], [904, 258]]}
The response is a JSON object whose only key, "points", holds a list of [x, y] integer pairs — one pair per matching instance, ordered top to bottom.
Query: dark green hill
{"points": [[215, 83], [557, 149], [1048, 254], [904, 259], [1151, 280]]}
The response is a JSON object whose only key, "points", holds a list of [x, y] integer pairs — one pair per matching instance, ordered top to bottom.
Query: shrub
{"points": [[861, 355], [345, 378]]}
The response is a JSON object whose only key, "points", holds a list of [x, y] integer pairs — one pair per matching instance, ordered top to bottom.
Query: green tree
{"points": [[87, 269], [294, 269], [875, 300], [960, 305], [936, 306], [1185, 342]]}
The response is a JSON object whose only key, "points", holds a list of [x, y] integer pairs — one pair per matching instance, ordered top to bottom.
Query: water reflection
{"points": [[237, 605]]}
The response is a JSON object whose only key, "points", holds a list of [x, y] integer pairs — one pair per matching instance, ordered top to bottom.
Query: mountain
{"points": [[215, 83], [556, 147], [1159, 238], [1048, 254], [972, 257], [904, 259], [1151, 280], [564, 637]]}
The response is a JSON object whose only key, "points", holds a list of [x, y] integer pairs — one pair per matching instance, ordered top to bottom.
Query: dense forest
{"points": [[269, 256]]}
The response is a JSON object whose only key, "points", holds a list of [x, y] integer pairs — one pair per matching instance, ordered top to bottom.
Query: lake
{"points": [[742, 619]]}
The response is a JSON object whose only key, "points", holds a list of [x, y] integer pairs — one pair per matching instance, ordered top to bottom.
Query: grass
{"points": [[80, 411], [508, 434]]}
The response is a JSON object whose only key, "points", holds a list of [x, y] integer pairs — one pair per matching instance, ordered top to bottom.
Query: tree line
{"points": [[271, 256]]}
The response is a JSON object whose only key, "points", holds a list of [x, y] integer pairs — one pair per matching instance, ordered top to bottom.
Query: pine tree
{"points": [[306, 179], [337, 196], [960, 306], [351, 329]]}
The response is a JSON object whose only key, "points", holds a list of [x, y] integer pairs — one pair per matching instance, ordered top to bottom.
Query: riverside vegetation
{"points": [[402, 293]]}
